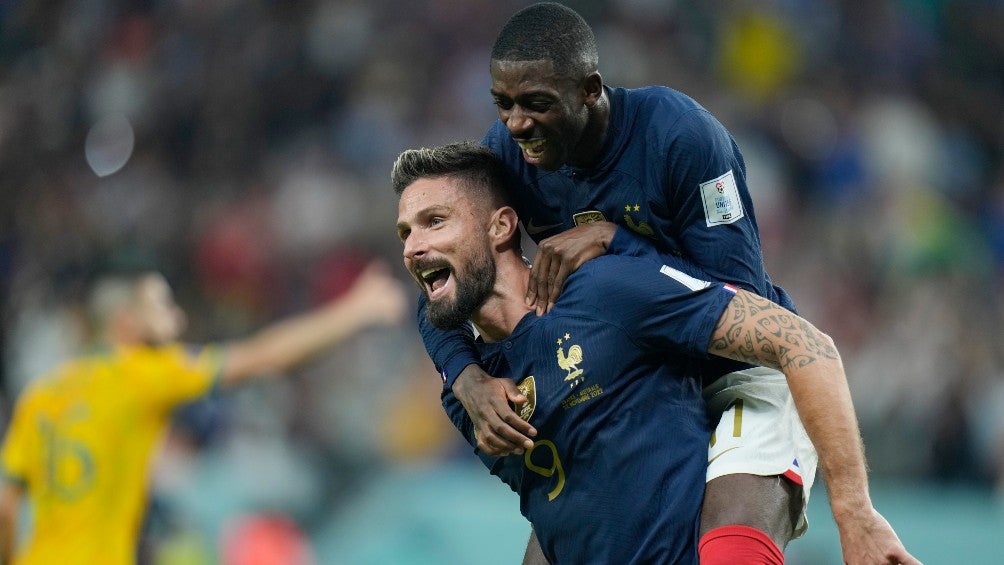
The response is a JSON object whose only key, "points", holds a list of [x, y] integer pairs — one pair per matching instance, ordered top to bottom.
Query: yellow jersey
{"points": [[82, 441]]}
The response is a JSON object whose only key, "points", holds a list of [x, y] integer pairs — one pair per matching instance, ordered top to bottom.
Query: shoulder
{"points": [[659, 102], [671, 116], [497, 137], [500, 142], [607, 276], [614, 279], [171, 362], [57, 379]]}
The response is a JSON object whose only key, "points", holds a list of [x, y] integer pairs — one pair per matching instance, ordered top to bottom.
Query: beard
{"points": [[472, 289]]}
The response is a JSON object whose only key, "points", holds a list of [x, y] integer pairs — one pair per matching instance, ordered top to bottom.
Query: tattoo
{"points": [[755, 330]]}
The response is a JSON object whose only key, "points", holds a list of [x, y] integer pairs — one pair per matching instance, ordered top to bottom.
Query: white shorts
{"points": [[760, 432]]}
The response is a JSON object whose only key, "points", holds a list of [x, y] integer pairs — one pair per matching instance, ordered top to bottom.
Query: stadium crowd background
{"points": [[246, 147]]}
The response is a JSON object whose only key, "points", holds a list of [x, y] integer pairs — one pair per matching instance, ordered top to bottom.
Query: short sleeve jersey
{"points": [[81, 442], [618, 468]]}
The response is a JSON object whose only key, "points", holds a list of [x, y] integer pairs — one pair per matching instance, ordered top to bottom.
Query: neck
{"points": [[595, 133], [505, 306]]}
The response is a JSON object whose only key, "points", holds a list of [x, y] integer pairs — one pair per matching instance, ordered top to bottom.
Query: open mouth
{"points": [[534, 148], [434, 279]]}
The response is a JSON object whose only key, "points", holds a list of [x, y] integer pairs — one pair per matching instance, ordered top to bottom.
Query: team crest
{"points": [[583, 218], [640, 227], [570, 361], [528, 387]]}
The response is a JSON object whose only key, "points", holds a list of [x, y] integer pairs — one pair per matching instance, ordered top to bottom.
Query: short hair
{"points": [[549, 31], [478, 169], [111, 291]]}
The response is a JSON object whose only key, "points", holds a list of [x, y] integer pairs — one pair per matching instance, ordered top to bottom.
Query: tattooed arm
{"points": [[755, 330]]}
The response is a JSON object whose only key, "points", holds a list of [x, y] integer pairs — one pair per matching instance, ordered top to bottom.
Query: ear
{"points": [[592, 87], [504, 226]]}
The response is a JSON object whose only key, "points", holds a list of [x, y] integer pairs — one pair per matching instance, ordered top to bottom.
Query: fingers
{"points": [[560, 255], [375, 272], [538, 276], [557, 283], [546, 285], [383, 295], [516, 398], [500, 430], [498, 436], [904, 558]]}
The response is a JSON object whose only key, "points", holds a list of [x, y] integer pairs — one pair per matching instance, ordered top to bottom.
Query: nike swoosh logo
{"points": [[534, 230], [712, 460]]}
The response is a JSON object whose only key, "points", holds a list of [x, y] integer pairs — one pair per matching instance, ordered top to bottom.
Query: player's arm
{"points": [[699, 152], [709, 198], [560, 255], [557, 256], [375, 298], [755, 330], [488, 401], [508, 469], [11, 493]]}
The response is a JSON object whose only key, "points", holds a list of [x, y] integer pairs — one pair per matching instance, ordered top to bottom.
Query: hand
{"points": [[559, 256], [378, 296], [489, 401], [867, 539]]}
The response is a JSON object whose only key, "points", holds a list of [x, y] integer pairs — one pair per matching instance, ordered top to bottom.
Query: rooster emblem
{"points": [[643, 228], [570, 361]]}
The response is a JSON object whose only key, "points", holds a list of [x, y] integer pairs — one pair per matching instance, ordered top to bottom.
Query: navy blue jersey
{"points": [[668, 171], [618, 469]]}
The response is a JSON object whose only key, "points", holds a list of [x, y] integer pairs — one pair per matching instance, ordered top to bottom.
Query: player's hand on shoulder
{"points": [[560, 255], [381, 297], [490, 403], [870, 540]]}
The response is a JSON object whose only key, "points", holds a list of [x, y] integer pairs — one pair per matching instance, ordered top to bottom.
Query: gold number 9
{"points": [[547, 471]]}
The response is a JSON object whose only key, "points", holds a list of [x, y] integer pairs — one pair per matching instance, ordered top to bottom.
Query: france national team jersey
{"points": [[668, 171], [617, 472]]}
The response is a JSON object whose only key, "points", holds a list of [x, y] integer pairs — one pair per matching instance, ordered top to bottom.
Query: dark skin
{"points": [[568, 118], [558, 119]]}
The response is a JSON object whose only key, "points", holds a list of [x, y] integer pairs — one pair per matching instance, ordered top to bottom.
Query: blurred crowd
{"points": [[245, 145]]}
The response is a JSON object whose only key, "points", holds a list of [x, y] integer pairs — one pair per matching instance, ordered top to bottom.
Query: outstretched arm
{"points": [[375, 298], [755, 330], [10, 504]]}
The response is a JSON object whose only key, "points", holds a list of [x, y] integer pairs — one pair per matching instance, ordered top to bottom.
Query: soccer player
{"points": [[589, 164], [610, 375], [81, 440]]}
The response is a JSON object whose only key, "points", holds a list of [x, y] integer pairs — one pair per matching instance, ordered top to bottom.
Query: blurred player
{"points": [[590, 164], [611, 374], [81, 441]]}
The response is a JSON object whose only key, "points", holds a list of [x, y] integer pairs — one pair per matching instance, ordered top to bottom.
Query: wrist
{"points": [[607, 232], [845, 510]]}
